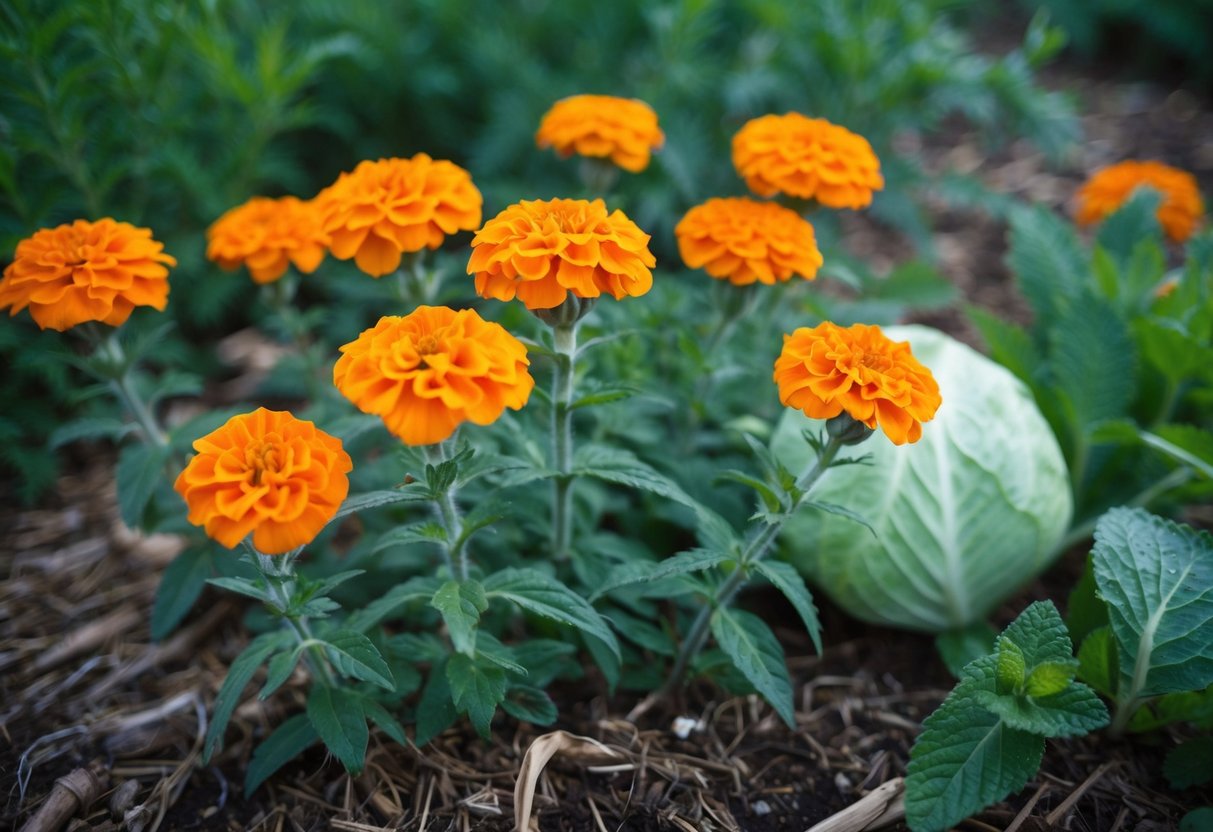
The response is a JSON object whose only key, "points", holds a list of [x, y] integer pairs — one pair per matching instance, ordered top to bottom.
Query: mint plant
{"points": [[987, 738]]}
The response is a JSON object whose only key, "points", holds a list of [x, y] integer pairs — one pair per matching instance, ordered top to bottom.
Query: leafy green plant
{"points": [[959, 519], [987, 738]]}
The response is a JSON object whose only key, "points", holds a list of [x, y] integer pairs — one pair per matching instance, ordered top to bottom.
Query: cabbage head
{"points": [[962, 518]]}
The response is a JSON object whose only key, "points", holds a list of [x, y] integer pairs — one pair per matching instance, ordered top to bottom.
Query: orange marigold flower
{"points": [[625, 129], [809, 158], [1109, 188], [386, 208], [267, 235], [742, 240], [540, 251], [86, 271], [827, 369], [428, 372], [265, 473]]}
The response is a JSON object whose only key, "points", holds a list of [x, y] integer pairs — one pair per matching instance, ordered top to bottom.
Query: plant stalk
{"points": [[562, 439], [455, 551], [755, 551], [280, 578]]}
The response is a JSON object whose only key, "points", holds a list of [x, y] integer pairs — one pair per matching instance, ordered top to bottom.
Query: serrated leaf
{"points": [[1136, 219], [1047, 260], [1008, 344], [1172, 351], [1094, 389], [605, 396], [89, 428], [140, 469], [769, 498], [375, 499], [841, 511], [425, 531], [692, 560], [1157, 577], [785, 578], [326, 585], [180, 586], [248, 587], [411, 591], [542, 595], [461, 604], [641, 632], [1041, 634], [752, 647], [959, 647], [490, 649], [354, 656], [1097, 664], [1010, 668], [278, 671], [238, 675], [1049, 678], [476, 689], [529, 704], [1194, 706], [436, 711], [1073, 712], [338, 718], [386, 722], [289, 740], [965, 759], [1190, 763]]}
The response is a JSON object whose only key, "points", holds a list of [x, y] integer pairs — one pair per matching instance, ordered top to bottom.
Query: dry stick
{"points": [[89, 636], [72, 793], [1066, 805], [1027, 809]]}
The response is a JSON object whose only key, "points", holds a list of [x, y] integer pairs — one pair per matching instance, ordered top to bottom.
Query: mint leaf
{"points": [[1157, 577], [461, 604], [1041, 634], [752, 647], [1009, 668], [1049, 678], [1075, 711]]}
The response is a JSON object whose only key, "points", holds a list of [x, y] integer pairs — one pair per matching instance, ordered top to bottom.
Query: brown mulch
{"points": [[83, 687]]}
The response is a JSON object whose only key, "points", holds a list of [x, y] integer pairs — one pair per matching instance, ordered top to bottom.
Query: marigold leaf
{"points": [[89, 428], [140, 470], [374, 499], [692, 560], [786, 579], [180, 586], [412, 590], [543, 595], [461, 604], [752, 647], [353, 655], [238, 675], [476, 689], [529, 704], [436, 711], [338, 718], [289, 740]]}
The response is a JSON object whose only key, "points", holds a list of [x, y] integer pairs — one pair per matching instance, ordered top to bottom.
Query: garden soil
{"points": [[92, 711]]}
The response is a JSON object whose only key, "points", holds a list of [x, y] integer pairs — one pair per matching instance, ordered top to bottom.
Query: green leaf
{"points": [[1135, 220], [1047, 260], [915, 284], [1008, 344], [1172, 351], [1094, 388], [605, 396], [89, 428], [1195, 461], [140, 469], [374, 499], [770, 499], [840, 511], [484, 514], [425, 531], [683, 563], [1157, 577], [785, 578], [180, 586], [324, 586], [248, 587], [412, 590], [542, 595], [461, 605], [1085, 610], [641, 632], [1041, 634], [752, 647], [959, 647], [489, 648], [353, 655], [609, 661], [1097, 664], [1010, 666], [279, 670], [239, 675], [1049, 678], [476, 689], [529, 704], [1194, 706], [436, 711], [1073, 712], [338, 718], [386, 722], [289, 740], [965, 759], [1190, 763], [1198, 820]]}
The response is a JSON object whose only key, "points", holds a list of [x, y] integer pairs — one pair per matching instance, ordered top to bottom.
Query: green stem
{"points": [[125, 391], [562, 439], [1143, 498], [455, 551], [754, 552], [280, 578]]}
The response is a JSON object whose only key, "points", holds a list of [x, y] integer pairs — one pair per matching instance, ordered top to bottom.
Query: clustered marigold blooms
{"points": [[624, 129], [809, 158], [1109, 188], [382, 210], [267, 235], [742, 240], [540, 251], [86, 271], [827, 369], [431, 370], [265, 473]]}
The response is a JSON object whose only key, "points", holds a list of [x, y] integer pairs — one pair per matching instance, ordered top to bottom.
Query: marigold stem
{"points": [[562, 439], [455, 551], [755, 551], [279, 572]]}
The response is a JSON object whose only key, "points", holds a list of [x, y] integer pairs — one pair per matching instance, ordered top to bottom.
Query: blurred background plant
{"points": [[167, 113]]}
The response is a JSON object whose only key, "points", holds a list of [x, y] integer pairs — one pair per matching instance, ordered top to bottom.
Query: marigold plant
{"points": [[623, 129], [808, 158], [385, 209], [1179, 214], [268, 235], [743, 241], [540, 251], [86, 271], [829, 369], [431, 370], [268, 474]]}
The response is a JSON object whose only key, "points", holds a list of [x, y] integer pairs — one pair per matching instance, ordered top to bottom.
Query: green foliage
{"points": [[987, 738]]}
